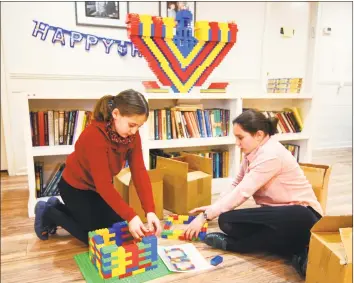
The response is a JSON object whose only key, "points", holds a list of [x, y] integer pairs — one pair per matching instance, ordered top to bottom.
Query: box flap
{"points": [[199, 163], [169, 165], [195, 175], [333, 223], [346, 235]]}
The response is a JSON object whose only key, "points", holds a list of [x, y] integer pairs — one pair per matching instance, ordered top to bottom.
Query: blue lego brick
{"points": [[140, 29], [152, 30], [163, 31], [228, 36], [202, 235], [164, 236], [98, 239], [216, 260], [106, 272]]}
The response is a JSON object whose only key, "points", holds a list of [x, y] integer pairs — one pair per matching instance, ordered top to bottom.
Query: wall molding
{"points": [[75, 77]]}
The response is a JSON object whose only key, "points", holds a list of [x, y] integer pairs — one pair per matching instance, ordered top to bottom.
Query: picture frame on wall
{"points": [[170, 8], [102, 13]]}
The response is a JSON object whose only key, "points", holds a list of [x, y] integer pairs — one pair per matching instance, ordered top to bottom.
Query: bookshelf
{"points": [[51, 155]]}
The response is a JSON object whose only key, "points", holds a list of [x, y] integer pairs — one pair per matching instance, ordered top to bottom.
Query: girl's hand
{"points": [[199, 209], [153, 223], [194, 227], [137, 228]]}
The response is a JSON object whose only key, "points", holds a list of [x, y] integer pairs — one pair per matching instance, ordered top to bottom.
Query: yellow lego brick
{"points": [[146, 20], [169, 25], [224, 28], [201, 30], [213, 90], [102, 231], [178, 232], [173, 237], [128, 254], [127, 262], [141, 270]]}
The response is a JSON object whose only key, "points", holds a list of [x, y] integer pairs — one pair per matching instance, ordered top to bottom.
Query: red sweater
{"points": [[96, 160]]}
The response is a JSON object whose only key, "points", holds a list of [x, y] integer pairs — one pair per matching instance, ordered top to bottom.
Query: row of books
{"points": [[290, 120], [188, 121], [52, 127], [219, 158], [51, 188]]}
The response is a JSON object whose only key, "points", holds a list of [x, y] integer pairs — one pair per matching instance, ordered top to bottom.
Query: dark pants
{"points": [[82, 211], [283, 230]]}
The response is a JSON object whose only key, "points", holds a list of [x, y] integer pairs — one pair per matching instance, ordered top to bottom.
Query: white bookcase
{"points": [[52, 155]]}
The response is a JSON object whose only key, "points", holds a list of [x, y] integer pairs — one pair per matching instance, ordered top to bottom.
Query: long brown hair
{"points": [[129, 102]]}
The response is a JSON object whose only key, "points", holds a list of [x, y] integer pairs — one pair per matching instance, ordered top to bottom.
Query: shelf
{"points": [[152, 96], [279, 96], [291, 137], [192, 142], [52, 150]]}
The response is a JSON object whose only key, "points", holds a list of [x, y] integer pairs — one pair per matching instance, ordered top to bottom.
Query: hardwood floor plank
{"points": [[24, 258]]}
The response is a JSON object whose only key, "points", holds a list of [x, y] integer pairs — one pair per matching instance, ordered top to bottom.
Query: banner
{"points": [[75, 37]]}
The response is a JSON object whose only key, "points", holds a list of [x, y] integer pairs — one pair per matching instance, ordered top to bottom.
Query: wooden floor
{"points": [[24, 258]]}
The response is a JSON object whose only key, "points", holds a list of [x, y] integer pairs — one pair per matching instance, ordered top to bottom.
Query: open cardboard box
{"points": [[186, 182], [125, 186], [330, 253]]}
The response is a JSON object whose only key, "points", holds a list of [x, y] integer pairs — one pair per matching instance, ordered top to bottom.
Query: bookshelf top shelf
{"points": [[159, 96]]}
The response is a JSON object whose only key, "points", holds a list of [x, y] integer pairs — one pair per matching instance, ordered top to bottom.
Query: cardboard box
{"points": [[318, 176], [186, 183], [125, 186], [330, 253]]}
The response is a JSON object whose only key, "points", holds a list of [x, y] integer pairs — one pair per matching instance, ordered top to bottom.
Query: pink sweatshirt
{"points": [[272, 176]]}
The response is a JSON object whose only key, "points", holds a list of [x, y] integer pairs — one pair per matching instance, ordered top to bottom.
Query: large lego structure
{"points": [[181, 60], [115, 253]]}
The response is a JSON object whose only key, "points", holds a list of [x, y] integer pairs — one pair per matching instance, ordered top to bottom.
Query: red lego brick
{"points": [[158, 26], [214, 27], [233, 32], [218, 85], [145, 265], [125, 275], [107, 276]]}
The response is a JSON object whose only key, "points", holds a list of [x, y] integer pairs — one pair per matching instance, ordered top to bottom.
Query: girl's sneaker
{"points": [[39, 228]]}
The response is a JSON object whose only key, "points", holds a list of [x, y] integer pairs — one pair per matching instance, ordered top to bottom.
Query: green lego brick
{"points": [[109, 249], [145, 254], [144, 261], [108, 268]]}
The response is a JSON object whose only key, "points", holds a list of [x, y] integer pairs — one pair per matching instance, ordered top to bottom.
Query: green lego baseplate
{"points": [[91, 275]]}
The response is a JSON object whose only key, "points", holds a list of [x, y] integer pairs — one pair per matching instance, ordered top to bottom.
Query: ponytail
{"points": [[103, 111], [273, 122]]}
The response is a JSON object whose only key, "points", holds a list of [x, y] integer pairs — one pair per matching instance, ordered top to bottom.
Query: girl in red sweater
{"points": [[90, 200]]}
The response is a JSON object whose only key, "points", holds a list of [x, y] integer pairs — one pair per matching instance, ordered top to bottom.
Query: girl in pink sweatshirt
{"points": [[271, 175]]}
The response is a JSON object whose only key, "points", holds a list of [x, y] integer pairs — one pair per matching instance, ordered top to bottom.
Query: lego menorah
{"points": [[181, 60], [169, 233], [115, 253]]}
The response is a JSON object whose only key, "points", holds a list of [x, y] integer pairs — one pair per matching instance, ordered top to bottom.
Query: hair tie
{"points": [[110, 103]]}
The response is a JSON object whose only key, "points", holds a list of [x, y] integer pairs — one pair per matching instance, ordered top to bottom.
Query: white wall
{"points": [[40, 66], [333, 104]]}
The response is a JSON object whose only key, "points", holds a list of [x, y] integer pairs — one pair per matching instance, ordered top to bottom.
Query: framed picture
{"points": [[170, 8], [104, 14]]}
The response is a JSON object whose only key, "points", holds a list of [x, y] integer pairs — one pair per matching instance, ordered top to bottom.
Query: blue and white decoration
{"points": [[75, 37]]}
